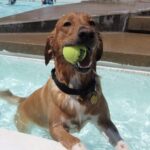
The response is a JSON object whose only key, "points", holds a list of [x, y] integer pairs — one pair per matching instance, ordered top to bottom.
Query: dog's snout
{"points": [[86, 34]]}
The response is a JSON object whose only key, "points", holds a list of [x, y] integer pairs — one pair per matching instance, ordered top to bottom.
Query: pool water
{"points": [[26, 5], [127, 93]]}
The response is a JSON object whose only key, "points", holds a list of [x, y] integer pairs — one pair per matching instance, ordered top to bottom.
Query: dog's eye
{"points": [[91, 23], [67, 24]]}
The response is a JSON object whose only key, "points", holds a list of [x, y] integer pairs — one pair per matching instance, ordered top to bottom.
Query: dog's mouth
{"points": [[86, 63]]}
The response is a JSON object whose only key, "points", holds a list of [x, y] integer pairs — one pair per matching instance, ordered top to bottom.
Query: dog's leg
{"points": [[21, 121], [107, 126], [112, 133], [61, 135]]}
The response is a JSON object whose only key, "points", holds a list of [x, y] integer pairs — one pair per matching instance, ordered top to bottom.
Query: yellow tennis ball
{"points": [[74, 54]]}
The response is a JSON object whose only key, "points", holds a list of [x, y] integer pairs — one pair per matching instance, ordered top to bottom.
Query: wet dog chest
{"points": [[78, 121], [76, 124]]}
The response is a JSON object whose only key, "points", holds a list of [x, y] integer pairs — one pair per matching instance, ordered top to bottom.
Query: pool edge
{"points": [[100, 64]]}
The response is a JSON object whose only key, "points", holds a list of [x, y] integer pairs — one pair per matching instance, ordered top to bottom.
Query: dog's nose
{"points": [[86, 34]]}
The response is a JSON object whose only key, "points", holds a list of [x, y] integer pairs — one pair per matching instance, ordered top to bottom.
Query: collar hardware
{"points": [[94, 98]]}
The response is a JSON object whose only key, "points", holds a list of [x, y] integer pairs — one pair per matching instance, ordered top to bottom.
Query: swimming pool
{"points": [[26, 5], [126, 91]]}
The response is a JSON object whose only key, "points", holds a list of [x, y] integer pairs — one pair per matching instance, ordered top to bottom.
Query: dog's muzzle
{"points": [[86, 37]]}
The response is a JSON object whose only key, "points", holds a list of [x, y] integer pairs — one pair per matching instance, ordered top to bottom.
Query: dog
{"points": [[73, 95]]}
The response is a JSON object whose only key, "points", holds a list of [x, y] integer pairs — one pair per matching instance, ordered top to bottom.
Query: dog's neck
{"points": [[73, 78], [71, 89]]}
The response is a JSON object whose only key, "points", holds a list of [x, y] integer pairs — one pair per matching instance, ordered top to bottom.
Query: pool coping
{"points": [[16, 140]]}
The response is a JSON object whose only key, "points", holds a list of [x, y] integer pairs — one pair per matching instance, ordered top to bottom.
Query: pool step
{"points": [[110, 17], [140, 24], [29, 43], [125, 48]]}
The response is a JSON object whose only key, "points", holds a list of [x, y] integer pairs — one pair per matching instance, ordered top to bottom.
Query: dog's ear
{"points": [[99, 51], [48, 53]]}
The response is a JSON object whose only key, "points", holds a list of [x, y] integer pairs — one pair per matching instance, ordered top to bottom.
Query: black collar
{"points": [[82, 92]]}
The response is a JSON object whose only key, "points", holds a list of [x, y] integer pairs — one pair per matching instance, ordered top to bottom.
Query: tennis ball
{"points": [[74, 54]]}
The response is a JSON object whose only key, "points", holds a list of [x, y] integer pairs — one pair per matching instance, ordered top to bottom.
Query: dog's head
{"points": [[71, 30]]}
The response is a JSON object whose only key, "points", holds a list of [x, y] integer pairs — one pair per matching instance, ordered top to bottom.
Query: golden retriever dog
{"points": [[73, 95]]}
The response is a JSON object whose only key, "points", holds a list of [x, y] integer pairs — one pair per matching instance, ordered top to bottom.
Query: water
{"points": [[26, 5], [127, 94]]}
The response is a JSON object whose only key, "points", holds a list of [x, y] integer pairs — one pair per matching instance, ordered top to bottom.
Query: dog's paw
{"points": [[121, 145], [78, 146]]}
